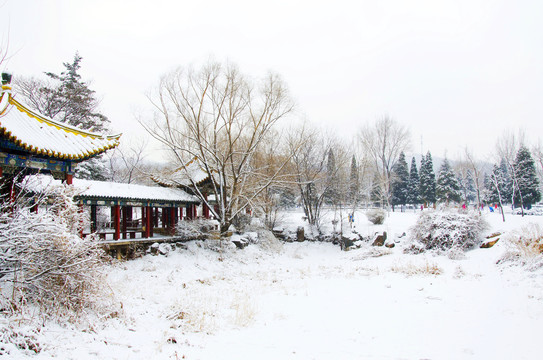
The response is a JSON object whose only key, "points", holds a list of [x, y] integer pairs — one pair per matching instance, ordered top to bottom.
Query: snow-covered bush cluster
{"points": [[538, 211], [376, 216], [195, 229], [446, 231], [525, 246], [43, 260]]}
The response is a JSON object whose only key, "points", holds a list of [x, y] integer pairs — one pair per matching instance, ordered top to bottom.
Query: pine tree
{"points": [[68, 99], [73, 102], [526, 179], [427, 180], [507, 181], [400, 182], [497, 185], [354, 186], [467, 186], [447, 187], [413, 192], [331, 193]]}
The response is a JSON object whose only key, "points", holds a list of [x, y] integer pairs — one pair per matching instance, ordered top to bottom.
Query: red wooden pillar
{"points": [[69, 179], [205, 208], [188, 209], [153, 220], [143, 221], [148, 221], [117, 222]]}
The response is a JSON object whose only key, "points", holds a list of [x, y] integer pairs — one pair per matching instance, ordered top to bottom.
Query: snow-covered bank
{"points": [[313, 301]]}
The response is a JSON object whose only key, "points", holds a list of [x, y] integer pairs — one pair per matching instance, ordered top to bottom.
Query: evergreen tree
{"points": [[68, 99], [73, 102], [526, 179], [427, 180], [507, 181], [400, 182], [496, 185], [354, 186], [447, 187], [467, 187], [413, 192], [331, 193]]}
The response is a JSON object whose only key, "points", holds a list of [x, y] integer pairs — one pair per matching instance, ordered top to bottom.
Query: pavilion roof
{"points": [[40, 135], [183, 176], [103, 190]]}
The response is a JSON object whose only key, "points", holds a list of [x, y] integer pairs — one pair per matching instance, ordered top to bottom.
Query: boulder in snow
{"points": [[379, 239]]}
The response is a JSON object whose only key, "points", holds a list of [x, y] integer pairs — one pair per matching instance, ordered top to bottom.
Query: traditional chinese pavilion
{"points": [[32, 143], [188, 178]]}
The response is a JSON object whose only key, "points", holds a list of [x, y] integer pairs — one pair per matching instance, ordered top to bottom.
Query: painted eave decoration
{"points": [[42, 136]]}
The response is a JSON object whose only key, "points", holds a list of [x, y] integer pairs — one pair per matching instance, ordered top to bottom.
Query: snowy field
{"points": [[313, 301]]}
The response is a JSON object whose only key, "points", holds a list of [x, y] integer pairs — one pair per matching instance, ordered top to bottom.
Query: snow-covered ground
{"points": [[311, 300]]}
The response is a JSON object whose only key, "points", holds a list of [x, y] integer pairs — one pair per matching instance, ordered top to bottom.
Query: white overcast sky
{"points": [[457, 73]]}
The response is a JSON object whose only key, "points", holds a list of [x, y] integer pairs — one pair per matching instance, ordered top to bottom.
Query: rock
{"points": [[279, 233], [300, 234], [493, 235], [380, 239], [240, 243], [346, 243], [489, 244], [390, 245], [181, 246], [154, 248], [164, 249]]}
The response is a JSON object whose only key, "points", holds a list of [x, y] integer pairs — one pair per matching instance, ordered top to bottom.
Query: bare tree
{"points": [[4, 46], [219, 118], [383, 142], [508, 145], [538, 157], [125, 161], [477, 172]]}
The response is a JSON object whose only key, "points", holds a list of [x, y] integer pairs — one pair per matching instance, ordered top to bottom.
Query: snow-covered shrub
{"points": [[376, 216], [241, 221], [195, 229], [446, 231], [268, 241], [525, 246], [43, 260], [16, 340]]}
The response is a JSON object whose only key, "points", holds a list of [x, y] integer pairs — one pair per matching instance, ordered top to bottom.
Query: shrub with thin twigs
{"points": [[525, 246], [43, 260]]}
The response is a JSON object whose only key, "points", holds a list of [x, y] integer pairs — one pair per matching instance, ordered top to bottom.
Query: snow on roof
{"points": [[41, 135], [111, 190]]}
